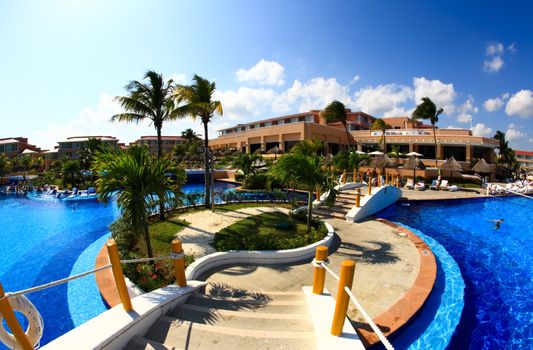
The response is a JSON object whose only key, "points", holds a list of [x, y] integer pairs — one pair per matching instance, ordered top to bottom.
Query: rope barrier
{"points": [[330, 272], [86, 273], [369, 320]]}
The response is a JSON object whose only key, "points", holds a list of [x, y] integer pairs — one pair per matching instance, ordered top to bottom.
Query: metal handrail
{"points": [[367, 317]]}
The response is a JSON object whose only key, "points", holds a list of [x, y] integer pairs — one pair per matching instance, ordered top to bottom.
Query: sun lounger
{"points": [[410, 184], [434, 185], [444, 185], [420, 186], [453, 188]]}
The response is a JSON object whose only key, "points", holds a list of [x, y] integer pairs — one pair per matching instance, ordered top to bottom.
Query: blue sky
{"points": [[62, 61]]}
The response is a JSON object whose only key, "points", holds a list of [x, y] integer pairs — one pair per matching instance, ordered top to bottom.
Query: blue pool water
{"points": [[45, 240], [496, 265]]}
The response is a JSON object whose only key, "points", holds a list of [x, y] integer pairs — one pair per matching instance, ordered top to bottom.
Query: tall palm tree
{"points": [[152, 101], [199, 103], [428, 110], [336, 112], [381, 125], [190, 135], [309, 147], [245, 163], [305, 171], [136, 178]]}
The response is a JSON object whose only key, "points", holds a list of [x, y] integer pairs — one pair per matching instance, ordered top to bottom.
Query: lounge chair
{"points": [[410, 184], [434, 185], [444, 185], [420, 186], [453, 188]]}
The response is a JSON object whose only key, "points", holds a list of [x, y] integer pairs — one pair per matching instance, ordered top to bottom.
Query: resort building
{"points": [[408, 136], [167, 143], [14, 146], [71, 147], [525, 159]]}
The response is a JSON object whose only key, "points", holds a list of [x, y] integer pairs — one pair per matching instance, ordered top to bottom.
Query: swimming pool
{"points": [[45, 240], [496, 265]]}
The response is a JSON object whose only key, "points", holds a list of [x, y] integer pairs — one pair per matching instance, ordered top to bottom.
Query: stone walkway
{"points": [[197, 237], [387, 266]]}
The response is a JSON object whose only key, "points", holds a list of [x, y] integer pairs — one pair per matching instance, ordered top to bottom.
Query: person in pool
{"points": [[497, 222]]}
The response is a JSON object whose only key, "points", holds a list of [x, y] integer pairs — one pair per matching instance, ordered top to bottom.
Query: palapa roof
{"points": [[383, 161], [414, 164], [451, 165], [481, 166]]}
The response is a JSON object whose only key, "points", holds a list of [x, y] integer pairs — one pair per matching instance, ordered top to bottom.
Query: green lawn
{"points": [[237, 206], [267, 231], [162, 232]]}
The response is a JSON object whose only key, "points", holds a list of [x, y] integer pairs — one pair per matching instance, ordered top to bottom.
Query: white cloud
{"points": [[512, 48], [494, 49], [493, 65], [264, 72], [355, 79], [443, 95], [385, 100], [244, 101], [493, 104], [520, 104], [466, 110], [94, 121], [481, 130], [514, 133], [530, 140]]}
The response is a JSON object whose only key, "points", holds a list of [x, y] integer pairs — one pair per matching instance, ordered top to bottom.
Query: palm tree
{"points": [[150, 101], [200, 104], [428, 110], [336, 112], [381, 125], [190, 135], [309, 147], [245, 163], [5, 165], [71, 169], [305, 171], [136, 178]]}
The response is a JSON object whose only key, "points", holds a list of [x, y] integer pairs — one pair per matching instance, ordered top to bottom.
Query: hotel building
{"points": [[284, 132], [167, 143], [14, 146], [71, 147], [525, 159]]}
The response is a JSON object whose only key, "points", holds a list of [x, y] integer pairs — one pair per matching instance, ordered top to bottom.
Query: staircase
{"points": [[345, 201], [228, 318]]}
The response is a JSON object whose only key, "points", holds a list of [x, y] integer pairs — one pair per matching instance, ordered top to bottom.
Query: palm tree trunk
{"points": [[348, 135], [436, 154], [159, 155], [207, 169], [309, 210], [147, 238]]}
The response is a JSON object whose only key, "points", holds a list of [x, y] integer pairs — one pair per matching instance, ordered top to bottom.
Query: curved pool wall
{"points": [[496, 264], [434, 324]]}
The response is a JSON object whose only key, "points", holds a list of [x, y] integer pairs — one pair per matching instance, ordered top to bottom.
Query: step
{"points": [[335, 209], [330, 214], [218, 291], [250, 305], [242, 320], [189, 335], [141, 343]]}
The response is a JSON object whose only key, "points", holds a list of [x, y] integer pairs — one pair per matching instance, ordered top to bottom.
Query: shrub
{"points": [[239, 177], [256, 182], [273, 183], [123, 234]]}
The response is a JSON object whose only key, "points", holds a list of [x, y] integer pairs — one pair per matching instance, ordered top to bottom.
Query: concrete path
{"points": [[197, 237], [387, 266]]}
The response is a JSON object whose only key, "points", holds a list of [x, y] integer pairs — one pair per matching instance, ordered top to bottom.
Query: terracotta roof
{"points": [[525, 153]]}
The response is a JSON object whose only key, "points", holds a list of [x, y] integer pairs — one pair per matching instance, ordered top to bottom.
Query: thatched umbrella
{"points": [[275, 151], [383, 161], [414, 164], [451, 165], [481, 167]]}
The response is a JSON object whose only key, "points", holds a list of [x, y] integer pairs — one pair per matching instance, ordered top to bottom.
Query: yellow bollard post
{"points": [[354, 175], [343, 178], [398, 182], [370, 187], [318, 193], [358, 198], [179, 264], [319, 273], [118, 275], [341, 306], [7, 313]]}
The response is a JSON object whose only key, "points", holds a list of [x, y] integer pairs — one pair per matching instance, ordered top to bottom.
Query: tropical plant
{"points": [[151, 101], [199, 103], [428, 110], [336, 112], [381, 125], [190, 135], [309, 147], [86, 154], [507, 156], [349, 161], [246, 163], [5, 165], [71, 170], [303, 170], [137, 179]]}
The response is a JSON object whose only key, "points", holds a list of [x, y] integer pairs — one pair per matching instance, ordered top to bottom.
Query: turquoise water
{"points": [[496, 265]]}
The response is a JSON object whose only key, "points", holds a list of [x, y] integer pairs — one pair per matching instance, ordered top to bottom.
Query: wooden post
{"points": [[343, 177], [379, 179], [370, 187], [318, 193], [358, 198], [179, 264], [116, 267], [319, 273], [341, 307], [7, 313]]}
